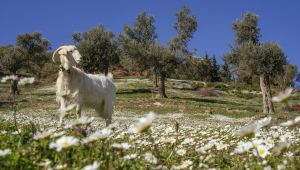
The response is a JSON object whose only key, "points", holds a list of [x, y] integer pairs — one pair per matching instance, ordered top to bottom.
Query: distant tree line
{"points": [[137, 51], [31, 54]]}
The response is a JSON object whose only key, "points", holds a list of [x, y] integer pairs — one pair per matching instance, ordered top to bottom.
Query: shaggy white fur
{"points": [[76, 88]]}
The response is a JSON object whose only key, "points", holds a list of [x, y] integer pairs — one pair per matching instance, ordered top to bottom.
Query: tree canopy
{"points": [[185, 26], [98, 48], [35, 51], [12, 59]]}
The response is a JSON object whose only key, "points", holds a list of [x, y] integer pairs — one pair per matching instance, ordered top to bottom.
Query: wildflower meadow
{"points": [[149, 140]]}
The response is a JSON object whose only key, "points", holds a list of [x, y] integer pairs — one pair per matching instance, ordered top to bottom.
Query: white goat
{"points": [[82, 89]]}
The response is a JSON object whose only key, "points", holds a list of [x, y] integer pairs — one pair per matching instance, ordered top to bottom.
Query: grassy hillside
{"points": [[138, 96], [190, 131]]}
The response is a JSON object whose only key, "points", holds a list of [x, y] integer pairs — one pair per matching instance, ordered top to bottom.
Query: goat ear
{"points": [[57, 51], [63, 51]]}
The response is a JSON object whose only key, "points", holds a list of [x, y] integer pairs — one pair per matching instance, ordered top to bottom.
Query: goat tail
{"points": [[110, 76]]}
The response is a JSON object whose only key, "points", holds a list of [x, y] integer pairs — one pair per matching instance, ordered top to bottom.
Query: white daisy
{"points": [[283, 96], [144, 124], [45, 134], [98, 135], [64, 142], [121, 146], [279, 148], [261, 151], [5, 152], [181, 152], [131, 156], [150, 158], [45, 163], [60, 166], [94, 166]]}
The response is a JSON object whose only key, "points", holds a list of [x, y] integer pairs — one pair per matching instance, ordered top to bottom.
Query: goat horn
{"points": [[54, 53]]}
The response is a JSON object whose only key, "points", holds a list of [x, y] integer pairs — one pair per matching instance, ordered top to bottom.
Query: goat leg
{"points": [[62, 111], [78, 111], [108, 121]]}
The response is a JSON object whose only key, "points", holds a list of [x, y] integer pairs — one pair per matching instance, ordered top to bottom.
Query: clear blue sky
{"points": [[57, 20]]}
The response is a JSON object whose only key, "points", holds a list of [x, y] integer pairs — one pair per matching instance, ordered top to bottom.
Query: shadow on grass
{"points": [[183, 88], [134, 91], [44, 94], [204, 100], [5, 104]]}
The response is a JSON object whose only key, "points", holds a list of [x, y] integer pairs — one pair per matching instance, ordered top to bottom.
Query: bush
{"points": [[49, 69], [196, 85], [222, 87], [209, 91], [239, 94]]}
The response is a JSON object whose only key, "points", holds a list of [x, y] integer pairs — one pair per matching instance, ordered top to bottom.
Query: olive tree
{"points": [[185, 26], [246, 30], [137, 39], [98, 48], [35, 49], [252, 57], [12, 59], [163, 60], [264, 60], [286, 79]]}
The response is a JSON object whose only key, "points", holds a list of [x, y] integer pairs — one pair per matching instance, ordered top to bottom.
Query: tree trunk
{"points": [[106, 66], [106, 71], [155, 84], [162, 89], [14, 90], [267, 96]]}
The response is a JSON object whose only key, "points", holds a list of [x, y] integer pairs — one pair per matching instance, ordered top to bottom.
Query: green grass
{"points": [[138, 96], [28, 153]]}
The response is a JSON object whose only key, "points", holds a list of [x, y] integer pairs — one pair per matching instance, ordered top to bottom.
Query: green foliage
{"points": [[185, 27], [246, 29], [143, 30], [137, 39], [33, 43], [98, 48], [35, 51], [134, 51], [249, 57], [267, 58], [12, 59], [162, 59], [203, 69], [48, 70], [214, 70], [226, 74], [286, 78], [196, 85], [221, 86], [247, 96]]}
